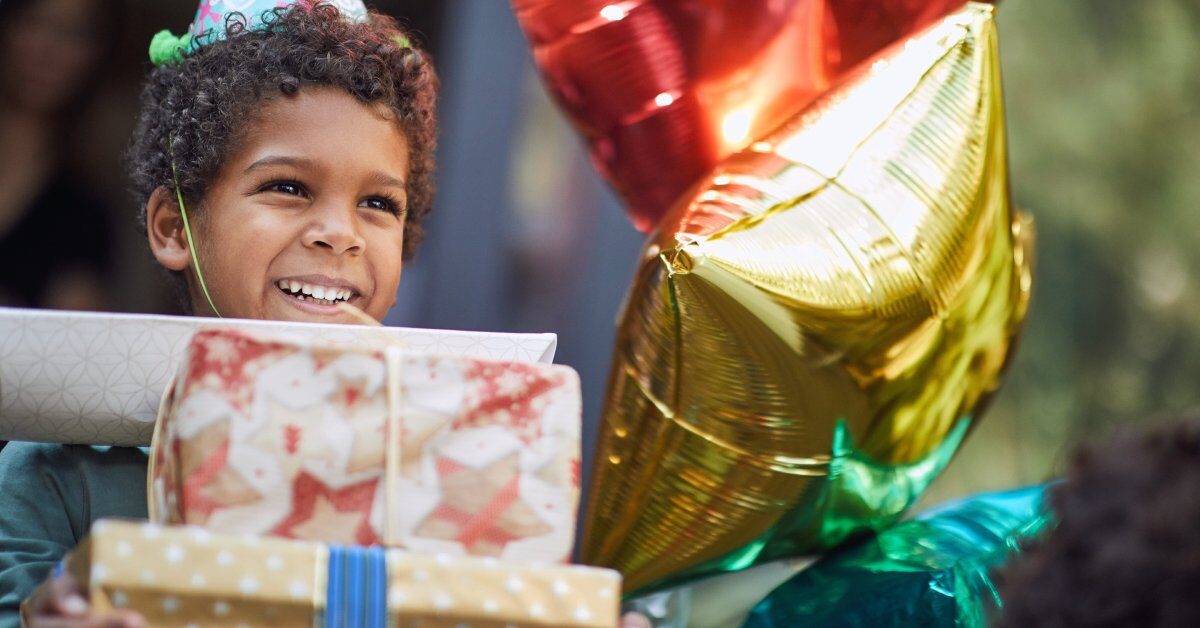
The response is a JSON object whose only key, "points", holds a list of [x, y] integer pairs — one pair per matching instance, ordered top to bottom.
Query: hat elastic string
{"points": [[187, 229]]}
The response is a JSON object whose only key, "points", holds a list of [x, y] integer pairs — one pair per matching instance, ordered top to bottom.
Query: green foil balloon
{"points": [[935, 570]]}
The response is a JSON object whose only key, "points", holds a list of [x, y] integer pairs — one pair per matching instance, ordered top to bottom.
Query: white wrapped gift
{"points": [[97, 379]]}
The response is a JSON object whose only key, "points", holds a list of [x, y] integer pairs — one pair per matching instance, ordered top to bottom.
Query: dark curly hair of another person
{"points": [[202, 102], [1126, 548]]}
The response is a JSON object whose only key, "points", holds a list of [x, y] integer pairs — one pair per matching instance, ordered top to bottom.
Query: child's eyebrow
{"points": [[281, 160], [375, 177], [384, 179]]}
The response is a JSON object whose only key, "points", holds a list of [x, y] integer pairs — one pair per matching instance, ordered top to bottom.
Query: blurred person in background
{"points": [[54, 235], [1125, 550]]}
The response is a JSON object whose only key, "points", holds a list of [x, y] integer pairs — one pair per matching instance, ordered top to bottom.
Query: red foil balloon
{"points": [[663, 90]]}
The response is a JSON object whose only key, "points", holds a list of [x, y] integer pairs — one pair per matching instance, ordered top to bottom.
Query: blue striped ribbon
{"points": [[356, 595]]}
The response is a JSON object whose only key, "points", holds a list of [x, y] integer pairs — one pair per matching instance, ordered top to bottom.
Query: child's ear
{"points": [[164, 230]]}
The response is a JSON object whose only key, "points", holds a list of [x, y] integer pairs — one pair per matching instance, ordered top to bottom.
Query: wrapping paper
{"points": [[88, 378], [430, 453], [187, 576]]}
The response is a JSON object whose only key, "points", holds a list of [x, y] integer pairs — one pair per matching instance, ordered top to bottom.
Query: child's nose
{"points": [[335, 226]]}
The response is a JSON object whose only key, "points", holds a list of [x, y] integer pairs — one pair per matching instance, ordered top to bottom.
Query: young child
{"points": [[283, 161]]}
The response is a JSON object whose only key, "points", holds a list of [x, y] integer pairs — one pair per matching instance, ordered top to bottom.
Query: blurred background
{"points": [[1104, 122]]}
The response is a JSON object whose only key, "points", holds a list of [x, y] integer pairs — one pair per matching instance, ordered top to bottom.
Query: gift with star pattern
{"points": [[431, 453], [189, 576]]}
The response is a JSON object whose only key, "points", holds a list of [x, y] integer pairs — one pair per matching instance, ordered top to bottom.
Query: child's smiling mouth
{"points": [[317, 294]]}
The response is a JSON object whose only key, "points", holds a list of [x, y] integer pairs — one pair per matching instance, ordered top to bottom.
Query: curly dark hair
{"points": [[200, 103], [1126, 548]]}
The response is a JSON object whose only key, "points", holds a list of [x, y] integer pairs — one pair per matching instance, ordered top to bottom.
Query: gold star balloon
{"points": [[813, 327]]}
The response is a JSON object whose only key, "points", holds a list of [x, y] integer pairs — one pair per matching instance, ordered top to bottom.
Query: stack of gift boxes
{"points": [[298, 483]]}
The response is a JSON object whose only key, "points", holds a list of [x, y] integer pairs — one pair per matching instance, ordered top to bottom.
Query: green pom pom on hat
{"points": [[168, 48]]}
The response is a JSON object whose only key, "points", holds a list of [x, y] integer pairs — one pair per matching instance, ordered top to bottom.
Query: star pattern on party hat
{"points": [[205, 12], [212, 15], [212, 18]]}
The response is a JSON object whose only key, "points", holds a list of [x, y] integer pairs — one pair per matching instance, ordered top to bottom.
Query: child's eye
{"points": [[284, 187], [381, 203]]}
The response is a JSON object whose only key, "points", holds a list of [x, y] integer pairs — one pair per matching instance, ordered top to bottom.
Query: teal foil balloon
{"points": [[934, 570]]}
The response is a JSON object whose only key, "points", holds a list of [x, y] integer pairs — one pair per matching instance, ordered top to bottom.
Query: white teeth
{"points": [[323, 293]]}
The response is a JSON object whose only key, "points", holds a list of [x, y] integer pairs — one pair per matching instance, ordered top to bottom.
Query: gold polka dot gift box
{"points": [[430, 453], [188, 576]]}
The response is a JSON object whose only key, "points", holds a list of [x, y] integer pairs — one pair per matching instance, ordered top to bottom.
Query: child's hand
{"points": [[60, 603]]}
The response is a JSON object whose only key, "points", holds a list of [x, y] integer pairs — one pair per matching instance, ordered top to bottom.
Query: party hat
{"points": [[210, 22]]}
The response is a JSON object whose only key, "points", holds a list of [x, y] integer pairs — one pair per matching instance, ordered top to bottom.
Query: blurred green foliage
{"points": [[1103, 102]]}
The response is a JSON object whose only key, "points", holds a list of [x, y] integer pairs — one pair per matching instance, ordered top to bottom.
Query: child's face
{"points": [[311, 202]]}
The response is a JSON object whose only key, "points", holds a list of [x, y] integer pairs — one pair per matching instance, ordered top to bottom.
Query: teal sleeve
{"points": [[49, 497]]}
